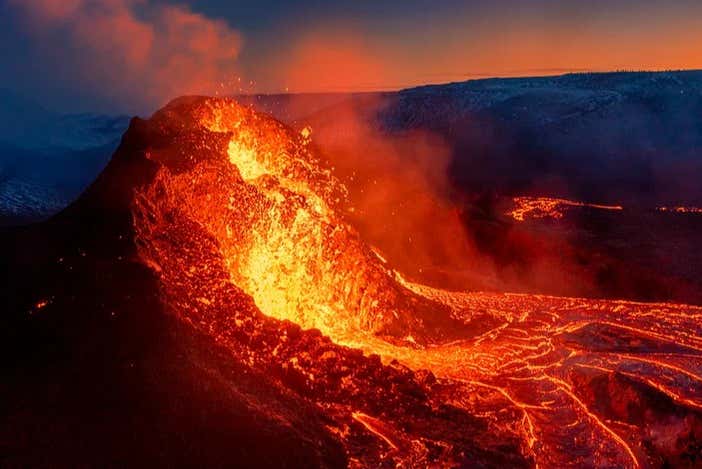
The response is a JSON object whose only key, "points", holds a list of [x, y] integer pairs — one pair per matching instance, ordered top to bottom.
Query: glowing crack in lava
{"points": [[545, 207], [242, 217]]}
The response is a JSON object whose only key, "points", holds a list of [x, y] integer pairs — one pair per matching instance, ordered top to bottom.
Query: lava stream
{"points": [[545, 207]]}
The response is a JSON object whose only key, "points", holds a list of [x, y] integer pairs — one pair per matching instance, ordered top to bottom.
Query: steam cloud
{"points": [[135, 51]]}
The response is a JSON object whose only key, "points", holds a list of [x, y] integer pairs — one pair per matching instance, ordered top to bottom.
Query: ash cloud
{"points": [[137, 53]]}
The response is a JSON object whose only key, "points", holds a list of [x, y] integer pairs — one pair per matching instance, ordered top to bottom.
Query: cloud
{"points": [[134, 51]]}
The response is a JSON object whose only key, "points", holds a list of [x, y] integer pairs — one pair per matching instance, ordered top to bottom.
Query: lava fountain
{"points": [[246, 229]]}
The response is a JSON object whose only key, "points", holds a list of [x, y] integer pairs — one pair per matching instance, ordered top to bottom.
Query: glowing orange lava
{"points": [[544, 207], [680, 209], [255, 215]]}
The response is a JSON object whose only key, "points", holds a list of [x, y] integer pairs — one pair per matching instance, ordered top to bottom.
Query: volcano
{"points": [[207, 302]]}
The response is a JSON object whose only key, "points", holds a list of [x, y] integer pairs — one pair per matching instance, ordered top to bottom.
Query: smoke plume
{"points": [[135, 52]]}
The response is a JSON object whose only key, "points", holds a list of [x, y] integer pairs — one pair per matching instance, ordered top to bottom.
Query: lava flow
{"points": [[545, 207], [245, 228]]}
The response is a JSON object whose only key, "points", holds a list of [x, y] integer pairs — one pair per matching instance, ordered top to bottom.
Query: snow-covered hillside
{"points": [[46, 158]]}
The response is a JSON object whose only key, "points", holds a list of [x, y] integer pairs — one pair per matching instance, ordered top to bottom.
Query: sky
{"points": [[134, 55]]}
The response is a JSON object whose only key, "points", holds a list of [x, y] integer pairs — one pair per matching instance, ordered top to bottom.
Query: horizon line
{"points": [[478, 76]]}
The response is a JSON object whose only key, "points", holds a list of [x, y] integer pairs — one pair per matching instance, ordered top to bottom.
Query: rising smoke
{"points": [[135, 52]]}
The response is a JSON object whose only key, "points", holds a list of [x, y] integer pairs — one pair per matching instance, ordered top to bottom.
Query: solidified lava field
{"points": [[206, 301]]}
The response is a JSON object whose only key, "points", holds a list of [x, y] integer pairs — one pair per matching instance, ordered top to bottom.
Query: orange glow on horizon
{"points": [[340, 57]]}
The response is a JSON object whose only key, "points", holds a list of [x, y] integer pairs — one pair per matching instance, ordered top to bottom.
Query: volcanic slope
{"points": [[205, 302]]}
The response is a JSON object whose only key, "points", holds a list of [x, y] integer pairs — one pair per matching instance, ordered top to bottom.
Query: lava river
{"points": [[245, 227]]}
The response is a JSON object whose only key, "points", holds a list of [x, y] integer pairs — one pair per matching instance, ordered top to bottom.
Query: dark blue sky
{"points": [[89, 56]]}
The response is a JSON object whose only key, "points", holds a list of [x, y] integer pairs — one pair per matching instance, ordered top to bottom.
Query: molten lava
{"points": [[544, 207], [525, 208], [242, 217]]}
